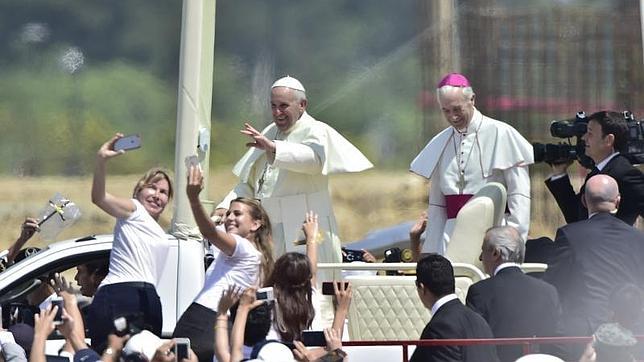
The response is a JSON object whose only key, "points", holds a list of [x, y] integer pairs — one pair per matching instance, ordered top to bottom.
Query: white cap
{"points": [[289, 82], [144, 342], [276, 352], [539, 357]]}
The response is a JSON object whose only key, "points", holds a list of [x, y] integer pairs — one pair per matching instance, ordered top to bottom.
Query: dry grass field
{"points": [[363, 202]]}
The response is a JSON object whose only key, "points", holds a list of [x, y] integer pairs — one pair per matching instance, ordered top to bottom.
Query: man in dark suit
{"points": [[605, 138], [593, 257], [512, 303], [450, 318]]}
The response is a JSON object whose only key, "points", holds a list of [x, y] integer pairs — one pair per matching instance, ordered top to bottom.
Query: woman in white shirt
{"points": [[138, 254], [245, 260]]}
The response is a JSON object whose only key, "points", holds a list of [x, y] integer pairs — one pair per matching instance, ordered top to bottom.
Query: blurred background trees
{"points": [[74, 72]]}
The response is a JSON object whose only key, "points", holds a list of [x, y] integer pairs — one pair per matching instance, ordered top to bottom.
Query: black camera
{"points": [[569, 128], [635, 145], [565, 152], [554, 153], [398, 255], [349, 256], [129, 324]]}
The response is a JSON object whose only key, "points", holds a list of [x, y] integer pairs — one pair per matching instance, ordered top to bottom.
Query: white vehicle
{"points": [[182, 278]]}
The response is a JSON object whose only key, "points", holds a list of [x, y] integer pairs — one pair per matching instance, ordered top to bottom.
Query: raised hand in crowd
{"points": [[27, 230], [311, 231], [415, 233], [343, 295], [247, 302], [43, 326], [75, 338], [222, 346], [332, 351], [165, 353], [589, 354]]}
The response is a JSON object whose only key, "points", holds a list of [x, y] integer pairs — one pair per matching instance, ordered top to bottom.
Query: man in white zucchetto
{"points": [[287, 168]]}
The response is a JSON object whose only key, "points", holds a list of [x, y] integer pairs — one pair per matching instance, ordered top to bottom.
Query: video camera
{"points": [[566, 151]]}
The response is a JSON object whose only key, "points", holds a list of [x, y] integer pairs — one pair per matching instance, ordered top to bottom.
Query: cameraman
{"points": [[605, 137]]}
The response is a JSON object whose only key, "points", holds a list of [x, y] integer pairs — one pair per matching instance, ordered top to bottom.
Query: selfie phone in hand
{"points": [[126, 143], [192, 161], [327, 287], [265, 294], [58, 318], [313, 338], [182, 348]]}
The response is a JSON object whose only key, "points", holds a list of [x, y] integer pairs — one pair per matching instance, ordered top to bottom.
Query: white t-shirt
{"points": [[140, 249], [241, 269]]}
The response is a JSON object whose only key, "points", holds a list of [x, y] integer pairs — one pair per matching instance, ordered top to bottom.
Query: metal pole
{"points": [[194, 100]]}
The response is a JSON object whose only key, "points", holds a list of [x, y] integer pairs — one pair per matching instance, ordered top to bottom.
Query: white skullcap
{"points": [[289, 82], [539, 357]]}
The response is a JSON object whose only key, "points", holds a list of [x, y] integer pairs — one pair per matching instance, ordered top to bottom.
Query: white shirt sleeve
{"points": [[297, 157], [517, 180]]}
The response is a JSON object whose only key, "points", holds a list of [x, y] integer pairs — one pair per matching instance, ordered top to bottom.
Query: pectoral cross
{"points": [[461, 182]]}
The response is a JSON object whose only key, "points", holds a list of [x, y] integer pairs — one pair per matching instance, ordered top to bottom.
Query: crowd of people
{"points": [[593, 283]]}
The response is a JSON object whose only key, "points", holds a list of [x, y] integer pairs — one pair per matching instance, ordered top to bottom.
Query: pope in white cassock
{"points": [[461, 159], [288, 168]]}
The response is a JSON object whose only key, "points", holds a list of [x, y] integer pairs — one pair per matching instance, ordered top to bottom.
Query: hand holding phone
{"points": [[126, 143], [327, 287], [265, 294], [58, 318], [313, 338], [182, 348]]}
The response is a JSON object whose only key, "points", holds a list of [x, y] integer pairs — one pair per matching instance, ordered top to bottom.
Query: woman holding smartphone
{"points": [[139, 251], [245, 259]]}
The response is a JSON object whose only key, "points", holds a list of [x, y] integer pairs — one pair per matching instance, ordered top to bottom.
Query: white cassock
{"points": [[460, 164], [298, 181]]}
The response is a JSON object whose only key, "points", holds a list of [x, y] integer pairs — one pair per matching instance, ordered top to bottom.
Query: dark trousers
{"points": [[123, 299], [198, 323]]}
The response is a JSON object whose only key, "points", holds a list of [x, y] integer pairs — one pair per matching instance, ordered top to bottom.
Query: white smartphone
{"points": [[126, 143], [192, 161], [265, 294], [58, 318], [182, 348]]}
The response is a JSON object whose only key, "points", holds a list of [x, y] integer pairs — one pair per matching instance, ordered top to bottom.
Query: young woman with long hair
{"points": [[245, 260], [293, 278]]}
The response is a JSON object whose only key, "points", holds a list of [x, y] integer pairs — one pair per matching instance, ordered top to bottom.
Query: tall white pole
{"points": [[194, 100]]}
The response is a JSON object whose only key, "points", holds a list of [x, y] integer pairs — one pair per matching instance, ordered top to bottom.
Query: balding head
{"points": [[601, 194]]}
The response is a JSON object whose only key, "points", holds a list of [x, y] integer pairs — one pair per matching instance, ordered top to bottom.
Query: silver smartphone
{"points": [[126, 143], [182, 348]]}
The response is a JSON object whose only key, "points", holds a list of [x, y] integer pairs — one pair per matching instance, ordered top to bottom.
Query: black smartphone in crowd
{"points": [[327, 287], [313, 338]]}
